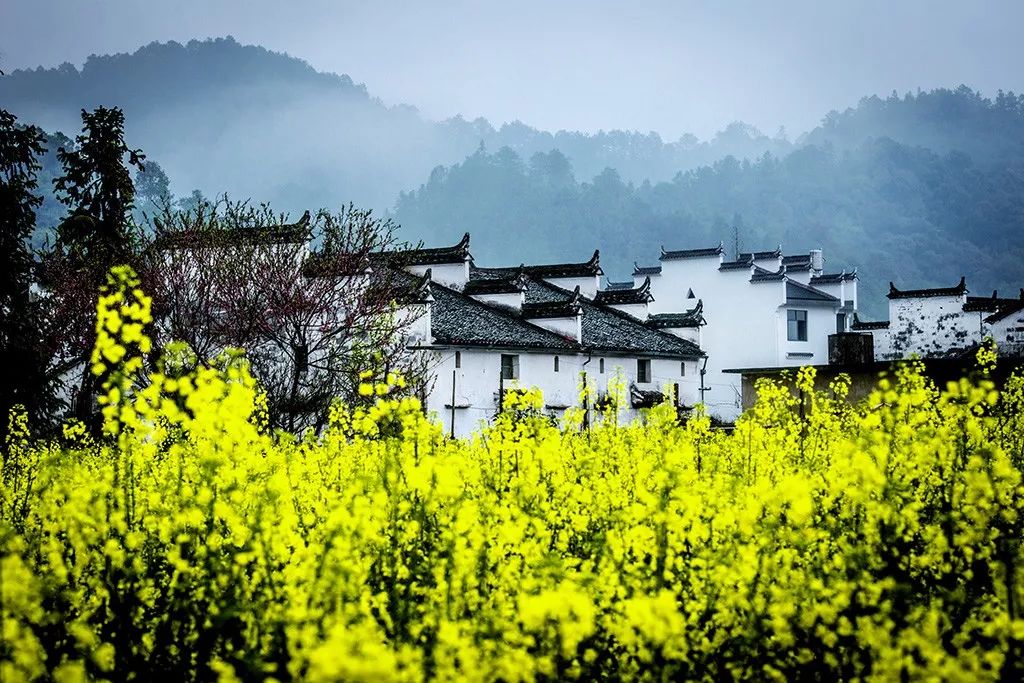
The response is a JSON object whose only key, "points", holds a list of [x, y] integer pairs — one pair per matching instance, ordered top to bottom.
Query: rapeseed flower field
{"points": [[876, 542]]}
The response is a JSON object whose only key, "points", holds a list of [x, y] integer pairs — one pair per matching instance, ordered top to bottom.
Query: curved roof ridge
{"points": [[672, 254], [959, 289]]}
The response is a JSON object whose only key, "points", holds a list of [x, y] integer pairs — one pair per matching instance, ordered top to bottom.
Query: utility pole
{"points": [[703, 371], [586, 395], [453, 404]]}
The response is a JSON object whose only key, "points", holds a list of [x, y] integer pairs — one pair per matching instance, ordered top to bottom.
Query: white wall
{"points": [[454, 275], [588, 285], [845, 290], [512, 300], [638, 311], [742, 321], [821, 322], [929, 326], [571, 327], [418, 328], [1009, 333], [692, 334], [477, 382]]}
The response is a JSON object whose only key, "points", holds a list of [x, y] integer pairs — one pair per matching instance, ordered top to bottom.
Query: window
{"points": [[840, 322], [796, 326], [458, 359], [556, 363], [509, 366], [600, 366], [682, 369], [643, 371]]}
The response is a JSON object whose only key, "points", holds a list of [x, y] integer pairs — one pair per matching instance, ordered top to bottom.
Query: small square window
{"points": [[796, 325], [509, 366], [643, 371]]}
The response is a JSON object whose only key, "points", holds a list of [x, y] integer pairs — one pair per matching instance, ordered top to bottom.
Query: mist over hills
{"points": [[220, 116], [919, 188]]}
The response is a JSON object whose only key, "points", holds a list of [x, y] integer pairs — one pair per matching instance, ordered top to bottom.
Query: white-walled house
{"points": [[761, 309], [945, 322], [545, 326], [483, 331]]}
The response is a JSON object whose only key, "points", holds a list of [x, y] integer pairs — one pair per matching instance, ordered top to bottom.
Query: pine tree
{"points": [[97, 234]]}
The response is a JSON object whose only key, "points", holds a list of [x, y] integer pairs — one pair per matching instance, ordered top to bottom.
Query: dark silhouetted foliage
{"points": [[23, 352]]}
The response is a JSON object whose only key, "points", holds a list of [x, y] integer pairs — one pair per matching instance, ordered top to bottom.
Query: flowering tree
{"points": [[230, 274]]}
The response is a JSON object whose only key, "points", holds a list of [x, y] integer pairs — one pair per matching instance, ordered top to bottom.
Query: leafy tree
{"points": [[152, 184], [192, 202], [97, 233], [23, 356]]}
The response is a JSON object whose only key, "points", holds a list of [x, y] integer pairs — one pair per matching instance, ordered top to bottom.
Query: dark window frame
{"points": [[796, 325], [510, 366], [643, 370]]}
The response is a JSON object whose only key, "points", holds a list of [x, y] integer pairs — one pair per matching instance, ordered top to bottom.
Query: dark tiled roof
{"points": [[288, 233], [456, 253], [669, 255], [760, 255], [797, 262], [319, 264], [737, 265], [646, 270], [546, 271], [762, 275], [833, 278], [510, 285], [619, 286], [412, 289], [958, 290], [800, 293], [637, 295], [990, 304], [565, 308], [1006, 312], [691, 318], [459, 320], [859, 324], [606, 329]]}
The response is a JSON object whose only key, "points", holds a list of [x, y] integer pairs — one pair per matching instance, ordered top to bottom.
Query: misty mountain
{"points": [[224, 117], [942, 120], [918, 189], [895, 212]]}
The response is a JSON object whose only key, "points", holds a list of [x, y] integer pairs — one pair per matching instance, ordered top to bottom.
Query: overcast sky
{"points": [[668, 66]]}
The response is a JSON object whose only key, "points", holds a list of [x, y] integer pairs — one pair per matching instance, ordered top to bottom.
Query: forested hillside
{"points": [[221, 116], [894, 211]]}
